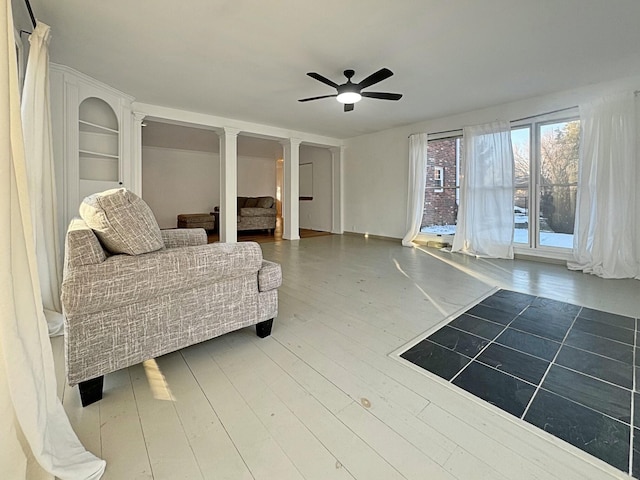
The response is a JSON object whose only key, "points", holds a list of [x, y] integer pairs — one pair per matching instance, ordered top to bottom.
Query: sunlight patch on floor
{"points": [[428, 297], [157, 383]]}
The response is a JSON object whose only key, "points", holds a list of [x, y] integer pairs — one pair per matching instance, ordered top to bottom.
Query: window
{"points": [[545, 153], [438, 179], [546, 183], [442, 193]]}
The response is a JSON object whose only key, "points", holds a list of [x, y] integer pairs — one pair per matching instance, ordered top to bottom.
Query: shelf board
{"points": [[92, 126], [98, 154]]}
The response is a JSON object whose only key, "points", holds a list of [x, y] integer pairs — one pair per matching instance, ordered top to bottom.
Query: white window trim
{"points": [[20, 54], [439, 180], [529, 249], [523, 250]]}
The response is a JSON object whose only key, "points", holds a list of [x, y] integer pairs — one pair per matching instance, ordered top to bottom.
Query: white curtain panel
{"points": [[36, 126], [416, 186], [485, 214], [605, 242], [36, 438]]}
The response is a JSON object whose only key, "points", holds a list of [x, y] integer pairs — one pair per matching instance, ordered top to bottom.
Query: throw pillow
{"points": [[240, 202], [251, 202], [265, 202], [123, 222]]}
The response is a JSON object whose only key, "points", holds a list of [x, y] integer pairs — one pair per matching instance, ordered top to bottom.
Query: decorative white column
{"points": [[136, 154], [337, 156], [291, 197], [228, 227]]}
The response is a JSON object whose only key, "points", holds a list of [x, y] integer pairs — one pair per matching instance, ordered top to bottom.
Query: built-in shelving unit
{"points": [[92, 139], [98, 147]]}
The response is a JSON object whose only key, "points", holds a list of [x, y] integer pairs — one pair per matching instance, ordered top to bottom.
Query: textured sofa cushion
{"points": [[251, 202], [265, 202], [123, 222], [183, 237], [122, 280]]}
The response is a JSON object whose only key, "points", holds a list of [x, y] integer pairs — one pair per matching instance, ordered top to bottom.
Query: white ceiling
{"points": [[247, 59]]}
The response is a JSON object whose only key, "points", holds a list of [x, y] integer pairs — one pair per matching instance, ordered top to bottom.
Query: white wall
{"points": [[376, 165], [181, 170], [256, 177], [178, 181], [316, 214]]}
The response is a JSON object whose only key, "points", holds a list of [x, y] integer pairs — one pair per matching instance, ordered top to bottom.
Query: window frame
{"points": [[19, 46], [438, 178], [424, 237], [533, 247], [523, 250]]}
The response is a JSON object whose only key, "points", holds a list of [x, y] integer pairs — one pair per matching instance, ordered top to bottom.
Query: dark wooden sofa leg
{"points": [[263, 329], [91, 390]]}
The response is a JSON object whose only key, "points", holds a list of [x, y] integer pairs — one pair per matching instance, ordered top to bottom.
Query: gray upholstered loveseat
{"points": [[256, 213], [132, 292]]}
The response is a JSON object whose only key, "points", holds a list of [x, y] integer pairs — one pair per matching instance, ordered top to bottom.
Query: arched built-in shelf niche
{"points": [[99, 146]]}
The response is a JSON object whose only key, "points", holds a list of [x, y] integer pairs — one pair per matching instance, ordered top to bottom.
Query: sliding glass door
{"points": [[546, 184]]}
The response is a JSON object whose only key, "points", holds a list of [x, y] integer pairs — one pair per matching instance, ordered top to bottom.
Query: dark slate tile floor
{"points": [[566, 369]]}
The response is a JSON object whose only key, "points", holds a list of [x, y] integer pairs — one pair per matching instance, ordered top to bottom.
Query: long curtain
{"points": [[36, 126], [416, 186], [485, 215], [605, 241], [36, 438]]}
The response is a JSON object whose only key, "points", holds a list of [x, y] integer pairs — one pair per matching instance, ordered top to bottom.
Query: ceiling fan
{"points": [[349, 93]]}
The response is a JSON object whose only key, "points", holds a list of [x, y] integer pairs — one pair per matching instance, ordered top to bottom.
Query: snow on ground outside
{"points": [[520, 235]]}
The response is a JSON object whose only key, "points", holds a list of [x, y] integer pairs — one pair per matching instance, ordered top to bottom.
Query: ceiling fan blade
{"points": [[376, 77], [322, 79], [382, 95], [317, 98], [348, 107]]}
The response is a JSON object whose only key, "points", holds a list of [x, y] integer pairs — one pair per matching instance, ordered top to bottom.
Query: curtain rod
{"points": [[33, 18], [512, 121]]}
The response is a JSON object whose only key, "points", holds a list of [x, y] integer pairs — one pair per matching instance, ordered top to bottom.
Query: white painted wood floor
{"points": [[320, 398]]}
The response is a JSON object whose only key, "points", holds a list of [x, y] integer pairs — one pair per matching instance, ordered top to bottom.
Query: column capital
{"points": [[139, 116], [230, 131], [291, 141]]}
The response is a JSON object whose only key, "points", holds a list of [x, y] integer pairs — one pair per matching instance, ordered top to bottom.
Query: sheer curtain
{"points": [[36, 125], [417, 183], [485, 215], [605, 241], [36, 439]]}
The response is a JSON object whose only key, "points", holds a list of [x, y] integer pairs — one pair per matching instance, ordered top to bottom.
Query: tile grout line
{"points": [[550, 340], [490, 342], [551, 364], [508, 374], [631, 419]]}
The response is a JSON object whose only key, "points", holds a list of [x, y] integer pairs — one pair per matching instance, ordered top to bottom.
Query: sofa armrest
{"points": [[183, 237], [82, 247], [269, 276], [123, 279]]}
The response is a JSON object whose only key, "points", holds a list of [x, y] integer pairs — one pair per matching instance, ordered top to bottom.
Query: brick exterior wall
{"points": [[440, 208]]}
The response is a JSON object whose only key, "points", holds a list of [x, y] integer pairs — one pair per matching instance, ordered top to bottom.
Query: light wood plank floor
{"points": [[321, 398]]}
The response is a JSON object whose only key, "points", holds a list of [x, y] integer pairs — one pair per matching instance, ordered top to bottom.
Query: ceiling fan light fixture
{"points": [[350, 93], [349, 97]]}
